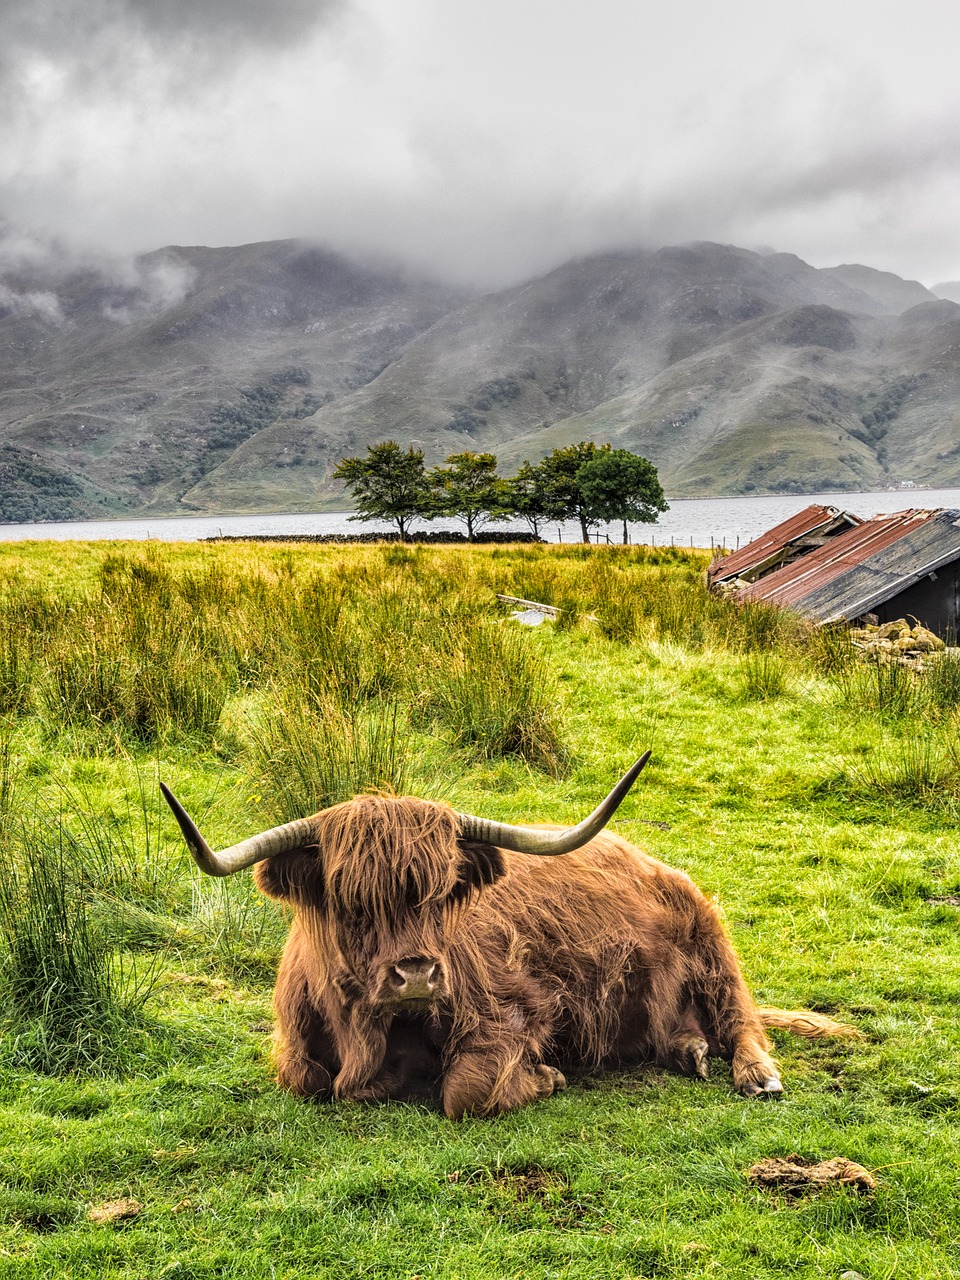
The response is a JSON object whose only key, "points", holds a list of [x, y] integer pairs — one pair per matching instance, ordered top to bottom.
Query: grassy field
{"points": [[817, 798]]}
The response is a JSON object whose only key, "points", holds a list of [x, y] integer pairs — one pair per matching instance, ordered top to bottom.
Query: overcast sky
{"points": [[487, 141]]}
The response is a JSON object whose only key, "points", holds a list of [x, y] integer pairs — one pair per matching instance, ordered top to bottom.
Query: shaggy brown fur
{"points": [[420, 966]]}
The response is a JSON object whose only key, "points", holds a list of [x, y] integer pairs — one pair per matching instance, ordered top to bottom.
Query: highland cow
{"points": [[430, 956]]}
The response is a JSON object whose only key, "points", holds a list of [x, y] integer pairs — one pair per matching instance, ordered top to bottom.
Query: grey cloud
{"points": [[276, 22], [60, 27], [125, 49], [420, 131], [871, 167], [21, 249], [34, 263], [31, 265], [155, 283], [42, 303]]}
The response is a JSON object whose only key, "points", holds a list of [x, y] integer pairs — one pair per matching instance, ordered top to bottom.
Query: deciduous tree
{"points": [[388, 484], [618, 485], [469, 489], [562, 492], [526, 497]]}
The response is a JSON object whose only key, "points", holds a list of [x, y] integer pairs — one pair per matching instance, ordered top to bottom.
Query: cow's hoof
{"points": [[692, 1057], [556, 1078], [771, 1088]]}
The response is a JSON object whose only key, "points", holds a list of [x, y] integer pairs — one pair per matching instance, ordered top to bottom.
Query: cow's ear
{"points": [[480, 865], [295, 877]]}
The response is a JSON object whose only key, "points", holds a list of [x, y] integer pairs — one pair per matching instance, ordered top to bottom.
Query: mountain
{"points": [[234, 379], [118, 395]]}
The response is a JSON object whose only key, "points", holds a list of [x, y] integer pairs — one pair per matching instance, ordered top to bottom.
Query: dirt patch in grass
{"points": [[796, 1176], [541, 1185], [525, 1195], [105, 1215]]}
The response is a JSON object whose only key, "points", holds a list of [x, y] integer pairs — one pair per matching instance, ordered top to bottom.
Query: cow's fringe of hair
{"points": [[384, 856], [803, 1022]]}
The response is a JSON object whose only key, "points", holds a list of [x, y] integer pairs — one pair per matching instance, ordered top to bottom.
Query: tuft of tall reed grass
{"points": [[29, 618], [829, 650], [134, 661], [15, 669], [765, 674], [100, 681], [942, 681], [887, 690], [496, 696], [308, 751], [918, 767], [9, 770], [88, 905], [231, 924], [66, 1000]]}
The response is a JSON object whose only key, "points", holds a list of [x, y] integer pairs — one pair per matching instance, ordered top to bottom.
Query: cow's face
{"points": [[381, 896], [404, 968]]}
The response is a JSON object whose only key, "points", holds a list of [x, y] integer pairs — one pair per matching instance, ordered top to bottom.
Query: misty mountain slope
{"points": [[891, 294], [585, 351], [235, 379], [124, 392], [774, 405], [917, 413]]}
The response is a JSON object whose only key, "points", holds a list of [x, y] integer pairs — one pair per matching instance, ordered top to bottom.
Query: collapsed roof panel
{"points": [[785, 542], [922, 549], [859, 570]]}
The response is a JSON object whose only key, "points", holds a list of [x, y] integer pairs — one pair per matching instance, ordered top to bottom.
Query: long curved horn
{"points": [[277, 840], [541, 841]]}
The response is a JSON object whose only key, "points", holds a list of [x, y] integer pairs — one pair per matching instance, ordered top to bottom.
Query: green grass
{"points": [[813, 800]]}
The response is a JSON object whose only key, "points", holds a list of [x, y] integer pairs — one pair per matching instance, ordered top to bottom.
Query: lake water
{"points": [[697, 522]]}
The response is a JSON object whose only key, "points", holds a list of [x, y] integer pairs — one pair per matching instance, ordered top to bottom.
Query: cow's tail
{"points": [[804, 1023]]}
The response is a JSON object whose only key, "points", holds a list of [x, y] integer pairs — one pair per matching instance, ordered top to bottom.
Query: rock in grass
{"points": [[894, 630], [897, 641], [925, 641]]}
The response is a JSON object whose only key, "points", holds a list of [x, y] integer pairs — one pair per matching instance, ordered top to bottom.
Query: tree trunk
{"points": [[625, 538]]}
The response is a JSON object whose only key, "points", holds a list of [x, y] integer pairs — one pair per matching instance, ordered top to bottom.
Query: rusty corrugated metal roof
{"points": [[778, 543], [858, 570], [788, 585]]}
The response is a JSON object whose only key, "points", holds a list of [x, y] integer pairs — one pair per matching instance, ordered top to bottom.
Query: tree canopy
{"points": [[587, 482], [388, 484], [618, 485], [469, 489], [563, 496], [526, 497]]}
